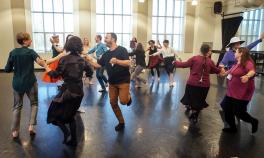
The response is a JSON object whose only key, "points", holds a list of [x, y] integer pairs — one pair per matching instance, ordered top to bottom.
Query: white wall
{"points": [[6, 31]]}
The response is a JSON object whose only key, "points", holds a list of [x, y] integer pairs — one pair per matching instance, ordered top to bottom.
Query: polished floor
{"points": [[156, 125]]}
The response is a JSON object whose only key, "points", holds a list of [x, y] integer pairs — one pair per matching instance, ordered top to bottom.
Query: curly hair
{"points": [[74, 45]]}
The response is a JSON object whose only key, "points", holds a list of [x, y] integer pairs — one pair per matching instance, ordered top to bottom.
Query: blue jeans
{"points": [[101, 77]]}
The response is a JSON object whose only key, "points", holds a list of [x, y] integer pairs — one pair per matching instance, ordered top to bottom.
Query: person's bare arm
{"points": [[64, 53], [92, 61], [41, 62], [246, 77]]}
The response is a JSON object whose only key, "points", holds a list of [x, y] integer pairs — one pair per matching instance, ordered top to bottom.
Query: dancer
{"points": [[133, 44], [86, 47], [100, 49], [168, 54], [229, 58], [21, 61], [116, 61], [154, 61], [53, 63], [140, 65], [198, 84], [240, 89], [66, 103]]}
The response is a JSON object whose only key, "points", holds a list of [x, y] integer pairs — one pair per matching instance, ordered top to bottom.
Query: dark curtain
{"points": [[229, 29]]}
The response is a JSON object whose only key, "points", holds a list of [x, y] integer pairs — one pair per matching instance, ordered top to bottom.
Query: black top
{"points": [[153, 50], [54, 51], [140, 57], [21, 60], [71, 69], [116, 73]]}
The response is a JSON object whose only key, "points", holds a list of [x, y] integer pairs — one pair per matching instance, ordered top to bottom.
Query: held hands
{"points": [[180, 59], [175, 61], [42, 62], [223, 72]]}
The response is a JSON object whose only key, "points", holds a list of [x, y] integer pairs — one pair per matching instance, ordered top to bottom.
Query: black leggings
{"points": [[169, 67], [157, 69], [234, 107], [65, 130]]}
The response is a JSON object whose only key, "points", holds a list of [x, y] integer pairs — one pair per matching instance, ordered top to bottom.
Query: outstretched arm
{"points": [[255, 43], [92, 61], [185, 64]]}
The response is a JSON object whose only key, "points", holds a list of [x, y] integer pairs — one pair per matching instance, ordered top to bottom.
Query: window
{"points": [[115, 16], [50, 17], [168, 22], [252, 26]]}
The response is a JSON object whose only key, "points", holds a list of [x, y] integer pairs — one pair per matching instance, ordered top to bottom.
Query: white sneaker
{"points": [[81, 110], [31, 130]]}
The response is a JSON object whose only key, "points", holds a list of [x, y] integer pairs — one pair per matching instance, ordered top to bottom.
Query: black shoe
{"points": [[59, 87], [102, 91], [129, 102], [188, 108], [194, 117], [254, 126], [120, 127], [229, 130], [66, 138]]}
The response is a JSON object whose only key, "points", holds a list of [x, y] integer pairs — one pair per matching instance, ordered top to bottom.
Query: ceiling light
{"points": [[194, 2]]}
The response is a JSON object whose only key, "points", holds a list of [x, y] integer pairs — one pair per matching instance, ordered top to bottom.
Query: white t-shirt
{"points": [[167, 52]]}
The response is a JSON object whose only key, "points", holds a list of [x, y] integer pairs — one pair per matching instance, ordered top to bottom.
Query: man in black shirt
{"points": [[116, 62]]}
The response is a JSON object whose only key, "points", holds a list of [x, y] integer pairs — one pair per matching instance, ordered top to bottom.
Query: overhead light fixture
{"points": [[141, 1], [194, 2]]}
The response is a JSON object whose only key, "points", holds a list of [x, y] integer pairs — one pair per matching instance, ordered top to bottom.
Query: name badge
{"points": [[229, 77]]}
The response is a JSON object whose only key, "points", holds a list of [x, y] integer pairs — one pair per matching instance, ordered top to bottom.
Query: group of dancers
{"points": [[73, 59]]}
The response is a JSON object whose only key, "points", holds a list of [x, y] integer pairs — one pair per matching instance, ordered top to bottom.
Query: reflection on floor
{"points": [[156, 125]]}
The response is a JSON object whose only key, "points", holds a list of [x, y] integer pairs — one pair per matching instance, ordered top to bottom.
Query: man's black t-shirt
{"points": [[116, 73]]}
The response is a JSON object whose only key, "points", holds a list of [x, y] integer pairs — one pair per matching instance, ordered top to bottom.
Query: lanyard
{"points": [[233, 69]]}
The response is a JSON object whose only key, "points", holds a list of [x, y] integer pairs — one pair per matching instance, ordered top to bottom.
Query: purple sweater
{"points": [[229, 58], [196, 65]]}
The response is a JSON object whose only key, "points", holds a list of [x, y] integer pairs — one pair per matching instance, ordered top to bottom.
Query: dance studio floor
{"points": [[156, 125]]}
